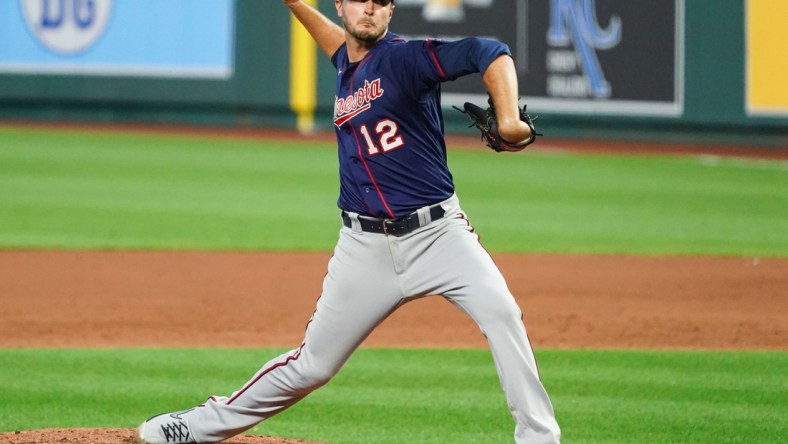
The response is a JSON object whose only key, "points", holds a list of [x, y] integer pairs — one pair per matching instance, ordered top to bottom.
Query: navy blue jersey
{"points": [[389, 124]]}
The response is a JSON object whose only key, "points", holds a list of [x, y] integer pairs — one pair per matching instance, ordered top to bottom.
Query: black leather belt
{"points": [[394, 227]]}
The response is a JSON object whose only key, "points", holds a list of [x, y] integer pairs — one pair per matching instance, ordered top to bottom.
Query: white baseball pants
{"points": [[370, 276]]}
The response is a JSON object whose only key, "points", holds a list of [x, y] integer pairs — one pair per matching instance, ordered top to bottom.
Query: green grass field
{"points": [[63, 189], [97, 190], [599, 396]]}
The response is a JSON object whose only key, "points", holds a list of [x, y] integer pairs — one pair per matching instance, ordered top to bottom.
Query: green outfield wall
{"points": [[685, 68]]}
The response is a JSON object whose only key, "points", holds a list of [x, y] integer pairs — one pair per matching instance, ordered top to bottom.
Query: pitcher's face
{"points": [[365, 20]]}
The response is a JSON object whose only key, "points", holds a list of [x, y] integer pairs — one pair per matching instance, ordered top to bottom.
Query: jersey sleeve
{"points": [[451, 60]]}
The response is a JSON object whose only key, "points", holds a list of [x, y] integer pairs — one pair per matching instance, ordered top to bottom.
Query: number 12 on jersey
{"points": [[387, 133]]}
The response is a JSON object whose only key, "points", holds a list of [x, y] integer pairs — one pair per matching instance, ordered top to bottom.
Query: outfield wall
{"points": [[605, 68]]}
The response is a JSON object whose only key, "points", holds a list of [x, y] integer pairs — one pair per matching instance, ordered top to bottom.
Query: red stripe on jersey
{"points": [[435, 59], [360, 151], [369, 173]]}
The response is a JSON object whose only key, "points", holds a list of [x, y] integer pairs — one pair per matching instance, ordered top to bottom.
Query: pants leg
{"points": [[459, 268], [359, 291]]}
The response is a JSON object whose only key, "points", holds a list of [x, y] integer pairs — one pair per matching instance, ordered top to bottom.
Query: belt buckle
{"points": [[391, 227], [396, 227]]}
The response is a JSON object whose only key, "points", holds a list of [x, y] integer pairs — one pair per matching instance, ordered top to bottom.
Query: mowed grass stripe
{"points": [[98, 190], [425, 396]]}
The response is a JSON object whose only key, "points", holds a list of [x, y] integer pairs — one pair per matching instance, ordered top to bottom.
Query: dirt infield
{"points": [[124, 299], [128, 299], [114, 436]]}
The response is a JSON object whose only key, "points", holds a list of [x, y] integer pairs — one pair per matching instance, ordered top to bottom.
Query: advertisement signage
{"points": [[172, 38], [572, 56]]}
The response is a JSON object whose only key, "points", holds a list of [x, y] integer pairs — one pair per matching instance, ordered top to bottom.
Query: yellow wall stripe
{"points": [[767, 57], [303, 74]]}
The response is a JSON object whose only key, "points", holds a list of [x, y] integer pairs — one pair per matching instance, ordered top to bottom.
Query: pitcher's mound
{"points": [[112, 436]]}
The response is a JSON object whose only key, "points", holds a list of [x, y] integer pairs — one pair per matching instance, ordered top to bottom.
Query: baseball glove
{"points": [[486, 121]]}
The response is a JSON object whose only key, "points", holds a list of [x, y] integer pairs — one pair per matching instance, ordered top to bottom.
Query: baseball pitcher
{"points": [[403, 233]]}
